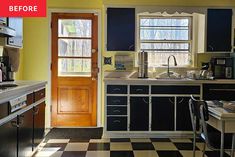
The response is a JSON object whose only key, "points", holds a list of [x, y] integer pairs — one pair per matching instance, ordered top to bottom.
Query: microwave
{"points": [[222, 67]]}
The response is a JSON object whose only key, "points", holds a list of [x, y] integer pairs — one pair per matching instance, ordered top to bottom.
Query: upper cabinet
{"points": [[16, 23], [219, 27], [120, 29]]}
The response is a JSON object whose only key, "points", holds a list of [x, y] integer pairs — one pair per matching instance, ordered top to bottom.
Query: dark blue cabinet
{"points": [[219, 27], [120, 29], [139, 113], [163, 113]]}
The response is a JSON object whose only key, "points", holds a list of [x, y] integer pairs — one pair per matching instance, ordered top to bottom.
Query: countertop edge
{"points": [[171, 81], [24, 87]]}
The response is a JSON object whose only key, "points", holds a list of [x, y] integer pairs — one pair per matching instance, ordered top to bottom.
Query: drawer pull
{"points": [[116, 89], [139, 90], [221, 90], [41, 94], [116, 101], [145, 101], [171, 101], [181, 101], [36, 111], [117, 111], [117, 121], [14, 124]]}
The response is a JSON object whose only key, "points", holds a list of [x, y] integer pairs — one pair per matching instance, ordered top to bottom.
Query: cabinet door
{"points": [[17, 24], [219, 26], [120, 29], [139, 113], [163, 113], [183, 119], [117, 123], [39, 124], [25, 133], [8, 136]]}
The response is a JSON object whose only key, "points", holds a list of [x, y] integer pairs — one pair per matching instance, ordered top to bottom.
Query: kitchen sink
{"points": [[171, 75]]}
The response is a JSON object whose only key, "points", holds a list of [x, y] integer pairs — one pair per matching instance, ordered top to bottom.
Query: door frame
{"points": [[99, 82]]}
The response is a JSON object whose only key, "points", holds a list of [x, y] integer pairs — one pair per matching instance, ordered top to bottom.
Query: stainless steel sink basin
{"points": [[173, 75], [174, 79]]}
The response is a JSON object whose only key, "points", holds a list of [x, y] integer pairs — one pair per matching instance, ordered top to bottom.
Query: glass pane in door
{"points": [[74, 28], [75, 47], [74, 67]]}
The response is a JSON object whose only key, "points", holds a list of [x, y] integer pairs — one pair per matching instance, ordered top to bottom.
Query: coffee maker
{"points": [[222, 67]]}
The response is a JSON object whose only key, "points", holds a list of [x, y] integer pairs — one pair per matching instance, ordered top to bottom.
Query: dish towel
{"points": [[14, 57]]}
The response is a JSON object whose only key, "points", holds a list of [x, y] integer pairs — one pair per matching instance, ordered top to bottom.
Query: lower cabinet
{"points": [[139, 113], [163, 113], [183, 119], [117, 123], [38, 124], [25, 133], [8, 136]]}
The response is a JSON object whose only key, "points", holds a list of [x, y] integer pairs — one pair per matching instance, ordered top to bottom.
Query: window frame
{"points": [[190, 41]]}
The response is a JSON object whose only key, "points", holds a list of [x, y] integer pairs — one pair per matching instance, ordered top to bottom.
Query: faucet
{"points": [[168, 65]]}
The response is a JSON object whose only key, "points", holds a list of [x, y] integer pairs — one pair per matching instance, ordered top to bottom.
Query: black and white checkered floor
{"points": [[121, 147]]}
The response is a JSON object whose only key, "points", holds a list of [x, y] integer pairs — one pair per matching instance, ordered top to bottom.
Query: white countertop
{"points": [[168, 81], [23, 87]]}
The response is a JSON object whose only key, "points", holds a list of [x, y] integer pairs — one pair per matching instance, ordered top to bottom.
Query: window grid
{"points": [[180, 46]]}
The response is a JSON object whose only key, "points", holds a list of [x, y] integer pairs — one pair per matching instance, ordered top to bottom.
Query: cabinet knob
{"points": [[211, 47]]}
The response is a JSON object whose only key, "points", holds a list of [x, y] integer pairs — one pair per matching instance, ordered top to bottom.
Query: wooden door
{"points": [[74, 69]]}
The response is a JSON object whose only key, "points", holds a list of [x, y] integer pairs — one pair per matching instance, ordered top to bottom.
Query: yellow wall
{"points": [[35, 55]]}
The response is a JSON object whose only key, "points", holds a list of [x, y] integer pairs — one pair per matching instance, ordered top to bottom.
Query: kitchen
{"points": [[118, 66]]}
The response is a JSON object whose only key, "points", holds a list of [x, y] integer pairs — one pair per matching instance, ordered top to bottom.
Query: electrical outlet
{"points": [[108, 60]]}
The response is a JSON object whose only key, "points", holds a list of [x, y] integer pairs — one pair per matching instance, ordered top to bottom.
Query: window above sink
{"points": [[163, 34]]}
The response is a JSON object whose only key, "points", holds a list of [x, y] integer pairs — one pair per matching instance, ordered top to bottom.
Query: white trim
{"points": [[99, 87]]}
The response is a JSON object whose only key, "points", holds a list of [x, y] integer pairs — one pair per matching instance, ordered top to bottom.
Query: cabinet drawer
{"points": [[117, 89], [139, 89], [175, 89], [219, 92], [39, 94], [30, 99], [116, 100], [116, 110], [117, 123]]}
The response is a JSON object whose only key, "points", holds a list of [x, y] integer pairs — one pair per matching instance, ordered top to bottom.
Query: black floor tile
{"points": [[160, 139], [72, 140], [120, 140], [59, 146], [99, 146], [142, 146], [185, 146], [74, 154], [121, 154], [169, 154], [215, 154]]}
